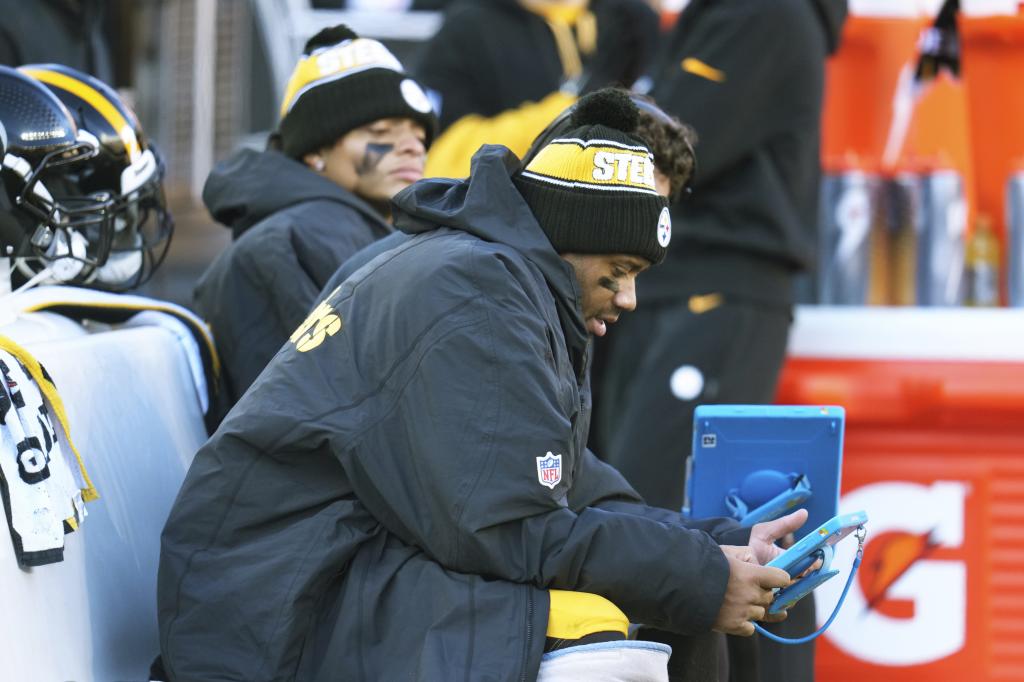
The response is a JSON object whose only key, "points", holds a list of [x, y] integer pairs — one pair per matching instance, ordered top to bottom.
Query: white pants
{"points": [[620, 661]]}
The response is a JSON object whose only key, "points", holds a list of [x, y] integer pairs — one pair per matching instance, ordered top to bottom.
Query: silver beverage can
{"points": [[846, 214], [903, 225], [1015, 239], [940, 249]]}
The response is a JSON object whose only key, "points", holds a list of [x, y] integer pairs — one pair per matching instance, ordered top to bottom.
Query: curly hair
{"points": [[671, 141]]}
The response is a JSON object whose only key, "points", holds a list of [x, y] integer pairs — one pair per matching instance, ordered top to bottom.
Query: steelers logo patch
{"points": [[414, 96], [664, 228]]}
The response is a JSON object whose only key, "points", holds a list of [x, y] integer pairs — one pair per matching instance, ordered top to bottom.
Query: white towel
{"points": [[45, 485], [619, 661]]}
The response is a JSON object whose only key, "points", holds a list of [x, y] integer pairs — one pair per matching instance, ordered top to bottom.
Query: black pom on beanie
{"points": [[332, 35], [610, 107]]}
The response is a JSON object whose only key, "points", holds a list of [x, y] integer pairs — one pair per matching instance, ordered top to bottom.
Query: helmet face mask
{"points": [[142, 227], [134, 233]]}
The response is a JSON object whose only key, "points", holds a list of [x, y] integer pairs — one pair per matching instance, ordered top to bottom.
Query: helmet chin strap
{"points": [[36, 279]]}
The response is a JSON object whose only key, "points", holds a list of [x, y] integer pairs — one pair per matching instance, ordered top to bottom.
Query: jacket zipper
{"points": [[529, 632]]}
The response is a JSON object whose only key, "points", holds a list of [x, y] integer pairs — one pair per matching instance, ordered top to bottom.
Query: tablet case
{"points": [[736, 448], [815, 546]]}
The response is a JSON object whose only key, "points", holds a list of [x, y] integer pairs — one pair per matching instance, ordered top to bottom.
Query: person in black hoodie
{"points": [[501, 70], [748, 76], [353, 132], [406, 492]]}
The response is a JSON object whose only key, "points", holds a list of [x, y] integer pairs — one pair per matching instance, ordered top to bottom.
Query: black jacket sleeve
{"points": [[258, 291], [251, 303], [598, 484]]}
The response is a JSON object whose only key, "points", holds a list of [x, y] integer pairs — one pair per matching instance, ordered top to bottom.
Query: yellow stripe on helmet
{"points": [[97, 100], [603, 165]]}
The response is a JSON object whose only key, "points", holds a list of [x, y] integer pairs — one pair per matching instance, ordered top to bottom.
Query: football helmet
{"points": [[126, 167], [55, 236]]}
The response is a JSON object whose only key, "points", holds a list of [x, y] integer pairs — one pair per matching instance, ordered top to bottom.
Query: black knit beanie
{"points": [[343, 82], [592, 188]]}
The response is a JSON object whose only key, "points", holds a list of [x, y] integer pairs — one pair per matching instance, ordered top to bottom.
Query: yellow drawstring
{"points": [[563, 20], [572, 65]]}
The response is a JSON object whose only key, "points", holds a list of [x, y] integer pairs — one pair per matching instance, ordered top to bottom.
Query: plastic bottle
{"points": [[1015, 238], [982, 264]]}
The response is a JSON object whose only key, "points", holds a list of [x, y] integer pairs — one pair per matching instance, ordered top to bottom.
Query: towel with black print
{"points": [[43, 488]]}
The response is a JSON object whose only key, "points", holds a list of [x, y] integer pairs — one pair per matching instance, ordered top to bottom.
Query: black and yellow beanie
{"points": [[343, 82], [592, 189]]}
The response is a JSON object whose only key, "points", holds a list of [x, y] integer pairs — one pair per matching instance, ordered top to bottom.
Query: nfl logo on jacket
{"points": [[549, 470]]}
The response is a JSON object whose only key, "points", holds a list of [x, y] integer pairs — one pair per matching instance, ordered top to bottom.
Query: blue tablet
{"points": [[758, 462]]}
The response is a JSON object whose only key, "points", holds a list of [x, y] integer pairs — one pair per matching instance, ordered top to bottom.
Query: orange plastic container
{"points": [[860, 82], [860, 87], [934, 452]]}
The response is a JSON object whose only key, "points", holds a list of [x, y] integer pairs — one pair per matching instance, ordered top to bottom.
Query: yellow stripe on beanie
{"points": [[338, 61], [596, 164]]}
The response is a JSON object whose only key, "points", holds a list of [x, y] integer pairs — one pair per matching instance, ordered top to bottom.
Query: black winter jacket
{"points": [[750, 223], [292, 228], [372, 509]]}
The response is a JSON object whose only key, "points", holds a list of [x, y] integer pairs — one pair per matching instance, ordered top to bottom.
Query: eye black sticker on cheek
{"points": [[372, 156], [609, 284]]}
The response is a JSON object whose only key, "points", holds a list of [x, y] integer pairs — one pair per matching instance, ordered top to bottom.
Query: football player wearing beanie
{"points": [[354, 131], [405, 493]]}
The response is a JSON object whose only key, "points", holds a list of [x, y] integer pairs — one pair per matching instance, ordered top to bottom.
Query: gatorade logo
{"points": [[853, 218], [324, 321], [906, 607]]}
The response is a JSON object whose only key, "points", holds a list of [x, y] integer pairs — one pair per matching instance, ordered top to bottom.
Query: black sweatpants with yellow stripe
{"points": [[654, 367]]}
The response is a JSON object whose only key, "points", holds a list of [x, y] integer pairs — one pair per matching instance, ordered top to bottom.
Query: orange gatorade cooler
{"points": [[934, 453]]}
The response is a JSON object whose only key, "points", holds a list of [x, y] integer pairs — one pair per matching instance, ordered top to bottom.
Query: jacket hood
{"points": [[832, 14], [250, 185], [490, 207]]}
